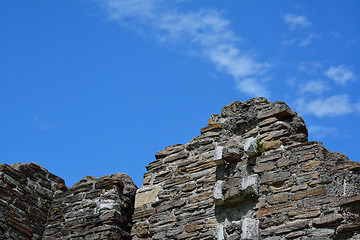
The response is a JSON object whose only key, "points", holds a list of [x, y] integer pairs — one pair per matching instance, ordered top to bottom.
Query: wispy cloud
{"points": [[297, 21], [205, 33], [335, 34], [308, 39], [310, 67], [340, 74], [291, 81], [313, 86], [253, 87], [332, 106], [357, 107], [43, 125], [320, 132]]}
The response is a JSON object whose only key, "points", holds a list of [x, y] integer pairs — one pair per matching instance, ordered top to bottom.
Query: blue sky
{"points": [[95, 87]]}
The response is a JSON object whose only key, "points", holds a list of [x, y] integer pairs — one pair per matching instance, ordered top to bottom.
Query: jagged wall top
{"points": [[254, 117], [214, 188]]}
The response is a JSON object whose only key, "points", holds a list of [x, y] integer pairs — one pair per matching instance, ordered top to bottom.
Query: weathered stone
{"points": [[278, 109], [213, 119], [267, 121], [211, 127], [252, 133], [271, 145], [250, 147], [169, 150], [176, 156], [231, 157], [308, 157], [266, 158], [286, 162], [310, 165], [200, 166], [352, 166], [264, 167], [274, 177], [306, 177], [325, 180], [176, 181], [282, 186], [189, 187], [299, 187], [218, 192], [308, 193], [147, 197], [201, 197], [278, 198], [321, 200], [352, 200], [276, 209], [308, 213], [143, 214], [327, 220], [273, 221], [292, 226], [21, 227], [193, 228], [250, 228], [348, 228], [295, 234], [321, 234]]}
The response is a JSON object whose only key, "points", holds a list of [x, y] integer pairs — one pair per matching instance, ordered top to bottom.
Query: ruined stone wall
{"points": [[251, 174], [26, 193], [35, 204], [94, 208]]}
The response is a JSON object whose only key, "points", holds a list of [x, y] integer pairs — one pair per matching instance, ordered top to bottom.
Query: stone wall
{"points": [[251, 174], [26, 193], [35, 204], [94, 208]]}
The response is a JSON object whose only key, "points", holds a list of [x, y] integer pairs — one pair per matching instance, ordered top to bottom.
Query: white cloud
{"points": [[125, 9], [296, 21], [205, 33], [335, 34], [308, 40], [310, 67], [340, 74], [291, 81], [313, 86], [252, 87], [332, 106], [357, 107], [43, 125], [319, 132]]}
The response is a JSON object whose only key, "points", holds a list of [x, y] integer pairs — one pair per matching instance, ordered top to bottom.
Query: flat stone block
{"points": [[210, 128], [271, 145], [264, 167], [308, 193], [146, 197], [278, 198], [281, 208], [327, 220]]}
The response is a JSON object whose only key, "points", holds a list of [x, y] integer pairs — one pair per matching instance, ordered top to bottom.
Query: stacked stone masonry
{"points": [[251, 174], [35, 204]]}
